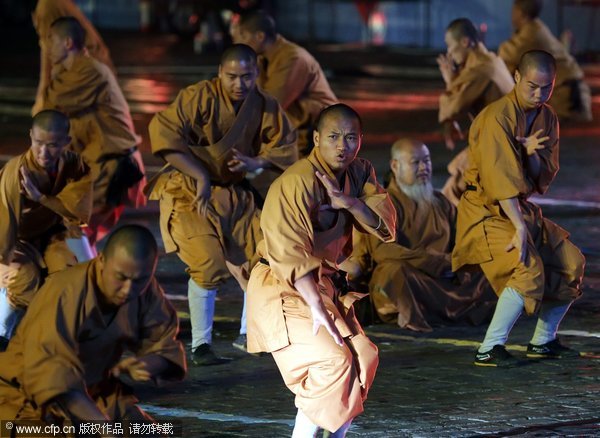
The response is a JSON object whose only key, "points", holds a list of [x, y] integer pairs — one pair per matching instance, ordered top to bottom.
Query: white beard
{"points": [[419, 192]]}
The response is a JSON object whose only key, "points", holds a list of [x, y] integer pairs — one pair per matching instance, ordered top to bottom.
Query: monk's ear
{"points": [[261, 37], [465, 42], [69, 43], [517, 76], [316, 138], [394, 165]]}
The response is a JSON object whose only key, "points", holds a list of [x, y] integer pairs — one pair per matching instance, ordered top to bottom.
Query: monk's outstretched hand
{"points": [[534, 142], [243, 163], [28, 187], [338, 200], [322, 319], [133, 366]]}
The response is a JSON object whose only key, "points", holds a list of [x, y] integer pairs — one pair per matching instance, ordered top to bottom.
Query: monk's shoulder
{"points": [[502, 111]]}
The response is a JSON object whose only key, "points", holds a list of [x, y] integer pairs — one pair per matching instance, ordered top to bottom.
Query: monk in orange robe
{"points": [[46, 11], [287, 72], [474, 77], [571, 98], [101, 127], [211, 136], [45, 194], [528, 260], [412, 283], [295, 310], [65, 360]]}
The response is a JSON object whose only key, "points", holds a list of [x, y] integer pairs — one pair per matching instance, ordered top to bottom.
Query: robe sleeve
{"points": [[287, 79], [75, 90], [462, 93], [169, 129], [278, 137], [549, 154], [500, 170], [377, 199], [75, 200], [10, 209], [288, 229], [158, 332], [51, 365]]}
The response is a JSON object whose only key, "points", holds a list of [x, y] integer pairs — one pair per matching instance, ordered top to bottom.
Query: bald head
{"points": [[529, 8], [259, 21], [69, 27], [463, 28], [239, 53], [538, 60], [338, 110], [53, 121], [405, 147], [411, 165], [136, 241]]}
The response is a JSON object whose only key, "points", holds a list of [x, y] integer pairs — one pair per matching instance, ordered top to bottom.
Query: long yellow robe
{"points": [[295, 78], [482, 80], [571, 98], [202, 121], [102, 133], [498, 170], [32, 233], [407, 284], [64, 344], [330, 382]]}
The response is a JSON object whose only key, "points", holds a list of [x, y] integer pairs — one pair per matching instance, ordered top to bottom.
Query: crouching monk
{"points": [[295, 307], [67, 354]]}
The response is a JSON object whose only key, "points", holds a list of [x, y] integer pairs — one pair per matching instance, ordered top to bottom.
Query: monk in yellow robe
{"points": [[46, 11], [288, 72], [474, 77], [572, 97], [101, 126], [211, 136], [43, 193], [528, 260], [412, 283], [295, 310], [66, 357]]}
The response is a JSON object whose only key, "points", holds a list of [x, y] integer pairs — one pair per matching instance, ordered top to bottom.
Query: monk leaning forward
{"points": [[46, 11], [289, 73], [474, 78], [571, 98], [101, 127], [211, 135], [43, 193], [528, 260], [412, 283], [295, 310], [67, 355]]}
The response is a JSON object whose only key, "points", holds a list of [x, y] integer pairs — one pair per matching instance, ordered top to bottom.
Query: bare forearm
{"points": [[186, 165], [534, 165], [513, 211], [307, 288]]}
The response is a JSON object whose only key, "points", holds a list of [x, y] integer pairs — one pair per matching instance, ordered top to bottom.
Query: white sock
{"points": [[81, 248], [509, 308], [202, 312], [551, 314], [9, 315], [243, 320], [303, 427], [341, 432]]}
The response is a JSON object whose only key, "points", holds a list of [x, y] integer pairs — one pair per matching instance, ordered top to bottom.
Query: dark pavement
{"points": [[426, 384]]}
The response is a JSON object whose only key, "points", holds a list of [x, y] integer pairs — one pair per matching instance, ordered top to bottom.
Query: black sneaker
{"points": [[241, 343], [551, 350], [203, 355], [496, 357]]}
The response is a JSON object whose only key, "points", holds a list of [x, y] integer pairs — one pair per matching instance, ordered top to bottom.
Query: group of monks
{"points": [[67, 315]]}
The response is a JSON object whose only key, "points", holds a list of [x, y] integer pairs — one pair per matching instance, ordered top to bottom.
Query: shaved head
{"points": [[529, 8], [259, 21], [69, 27], [463, 28], [240, 53], [537, 60], [339, 109], [52, 120], [406, 145], [137, 242]]}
